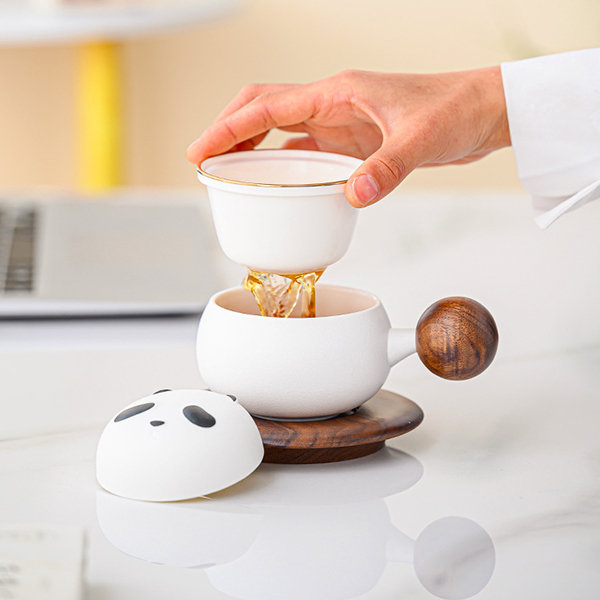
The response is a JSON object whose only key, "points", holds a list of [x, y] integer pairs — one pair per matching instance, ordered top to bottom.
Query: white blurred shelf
{"points": [[41, 22]]}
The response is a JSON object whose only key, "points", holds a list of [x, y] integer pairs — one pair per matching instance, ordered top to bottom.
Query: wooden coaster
{"points": [[384, 416]]}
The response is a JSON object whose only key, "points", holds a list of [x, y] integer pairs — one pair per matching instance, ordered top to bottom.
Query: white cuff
{"points": [[553, 107], [550, 209]]}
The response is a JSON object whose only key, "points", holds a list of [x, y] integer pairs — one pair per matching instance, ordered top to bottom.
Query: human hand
{"points": [[395, 122]]}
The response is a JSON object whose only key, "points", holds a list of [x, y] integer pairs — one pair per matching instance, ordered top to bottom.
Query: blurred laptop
{"points": [[105, 256]]}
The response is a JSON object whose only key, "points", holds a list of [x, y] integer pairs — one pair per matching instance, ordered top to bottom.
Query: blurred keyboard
{"points": [[17, 248]]}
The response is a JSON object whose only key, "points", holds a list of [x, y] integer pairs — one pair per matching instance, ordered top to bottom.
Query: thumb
{"points": [[376, 177]]}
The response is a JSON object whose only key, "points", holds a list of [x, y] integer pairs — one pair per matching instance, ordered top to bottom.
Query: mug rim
{"points": [[201, 169], [375, 304]]}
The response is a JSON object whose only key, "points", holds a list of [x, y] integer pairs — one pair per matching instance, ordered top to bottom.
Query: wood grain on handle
{"points": [[457, 338]]}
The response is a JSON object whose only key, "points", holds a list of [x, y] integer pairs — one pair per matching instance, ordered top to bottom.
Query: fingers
{"points": [[248, 93], [252, 121], [301, 143], [249, 144], [380, 174]]}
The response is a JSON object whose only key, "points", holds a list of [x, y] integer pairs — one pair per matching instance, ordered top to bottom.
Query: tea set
{"points": [[285, 389]]}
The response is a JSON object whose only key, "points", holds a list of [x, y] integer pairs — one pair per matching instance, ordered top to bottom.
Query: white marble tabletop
{"points": [[495, 495]]}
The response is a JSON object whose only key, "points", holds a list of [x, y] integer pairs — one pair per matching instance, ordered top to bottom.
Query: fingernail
{"points": [[365, 189]]}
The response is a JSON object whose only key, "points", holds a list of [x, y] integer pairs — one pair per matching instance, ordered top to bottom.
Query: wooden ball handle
{"points": [[457, 338]]}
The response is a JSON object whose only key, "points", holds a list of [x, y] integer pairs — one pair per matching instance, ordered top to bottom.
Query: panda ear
{"points": [[161, 391], [232, 397], [134, 410]]}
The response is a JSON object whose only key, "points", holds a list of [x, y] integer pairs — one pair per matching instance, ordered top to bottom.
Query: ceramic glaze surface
{"points": [[292, 227], [298, 368], [175, 445]]}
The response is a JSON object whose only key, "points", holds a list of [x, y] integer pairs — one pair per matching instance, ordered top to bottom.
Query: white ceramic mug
{"points": [[281, 211], [308, 368]]}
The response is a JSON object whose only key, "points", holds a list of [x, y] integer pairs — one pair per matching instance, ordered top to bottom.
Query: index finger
{"points": [[249, 93], [265, 112]]}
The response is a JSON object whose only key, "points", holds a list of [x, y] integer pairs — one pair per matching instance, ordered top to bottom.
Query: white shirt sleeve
{"points": [[553, 106]]}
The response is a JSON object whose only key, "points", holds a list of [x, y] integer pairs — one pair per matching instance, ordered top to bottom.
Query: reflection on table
{"points": [[310, 530]]}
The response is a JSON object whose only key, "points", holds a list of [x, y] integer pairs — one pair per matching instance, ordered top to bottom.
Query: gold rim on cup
{"points": [[268, 185]]}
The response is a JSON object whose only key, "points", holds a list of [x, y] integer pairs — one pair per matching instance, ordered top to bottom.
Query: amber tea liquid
{"points": [[278, 295]]}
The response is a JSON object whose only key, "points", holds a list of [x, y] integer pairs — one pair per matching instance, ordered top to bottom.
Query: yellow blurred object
{"points": [[100, 125]]}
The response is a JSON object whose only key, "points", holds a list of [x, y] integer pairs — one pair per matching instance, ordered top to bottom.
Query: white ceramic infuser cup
{"points": [[281, 211], [308, 368]]}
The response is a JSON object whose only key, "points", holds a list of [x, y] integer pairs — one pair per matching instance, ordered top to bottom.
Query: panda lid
{"points": [[177, 445]]}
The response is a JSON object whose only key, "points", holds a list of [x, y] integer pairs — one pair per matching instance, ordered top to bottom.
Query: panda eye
{"points": [[232, 397], [134, 410], [198, 416]]}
